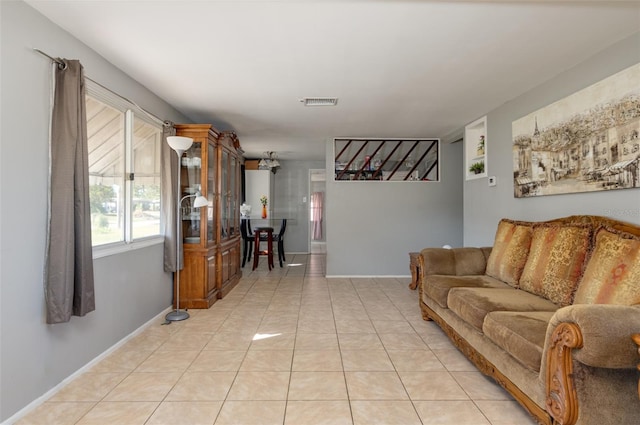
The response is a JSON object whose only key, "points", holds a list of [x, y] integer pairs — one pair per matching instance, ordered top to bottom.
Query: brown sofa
{"points": [[548, 312]]}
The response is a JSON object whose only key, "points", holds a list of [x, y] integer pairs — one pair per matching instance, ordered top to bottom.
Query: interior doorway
{"points": [[317, 208]]}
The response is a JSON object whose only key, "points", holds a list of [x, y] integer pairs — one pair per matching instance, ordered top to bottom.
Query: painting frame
{"points": [[586, 142]]}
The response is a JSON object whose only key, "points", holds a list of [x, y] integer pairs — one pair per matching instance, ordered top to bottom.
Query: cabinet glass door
{"points": [[233, 181], [190, 185], [211, 192], [224, 195]]}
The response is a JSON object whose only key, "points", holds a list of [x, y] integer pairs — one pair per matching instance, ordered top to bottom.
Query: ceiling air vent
{"points": [[319, 101]]}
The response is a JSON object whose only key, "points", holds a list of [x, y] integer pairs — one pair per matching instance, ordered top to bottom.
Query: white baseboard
{"points": [[37, 402]]}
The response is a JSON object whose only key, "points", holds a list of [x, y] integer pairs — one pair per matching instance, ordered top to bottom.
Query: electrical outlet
{"points": [[492, 181], [304, 199]]}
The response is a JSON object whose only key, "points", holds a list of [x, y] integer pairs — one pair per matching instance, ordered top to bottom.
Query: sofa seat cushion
{"points": [[510, 251], [556, 261], [612, 275], [439, 285], [473, 304], [519, 333]]}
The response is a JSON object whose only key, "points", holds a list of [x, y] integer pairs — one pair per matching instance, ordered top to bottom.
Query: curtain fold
{"points": [[169, 181], [317, 198], [69, 281]]}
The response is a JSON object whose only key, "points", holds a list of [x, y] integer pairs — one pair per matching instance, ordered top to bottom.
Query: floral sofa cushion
{"points": [[510, 251], [556, 261], [613, 273]]}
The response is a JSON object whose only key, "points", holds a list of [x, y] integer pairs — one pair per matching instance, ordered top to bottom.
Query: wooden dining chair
{"points": [[248, 239]]}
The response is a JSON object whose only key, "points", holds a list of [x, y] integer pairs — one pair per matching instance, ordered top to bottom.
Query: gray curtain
{"points": [[168, 184], [69, 286]]}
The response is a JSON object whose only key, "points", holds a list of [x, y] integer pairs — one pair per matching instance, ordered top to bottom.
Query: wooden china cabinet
{"points": [[211, 235]]}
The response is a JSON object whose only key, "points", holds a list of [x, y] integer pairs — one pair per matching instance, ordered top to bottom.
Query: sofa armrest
{"points": [[456, 261], [606, 333], [597, 335]]}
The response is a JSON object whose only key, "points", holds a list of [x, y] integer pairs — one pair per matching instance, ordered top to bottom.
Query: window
{"points": [[386, 159], [124, 169]]}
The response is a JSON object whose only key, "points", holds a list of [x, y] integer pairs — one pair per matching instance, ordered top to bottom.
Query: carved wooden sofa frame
{"points": [[561, 397]]}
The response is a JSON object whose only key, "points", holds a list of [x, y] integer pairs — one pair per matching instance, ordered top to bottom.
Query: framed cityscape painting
{"points": [[588, 141]]}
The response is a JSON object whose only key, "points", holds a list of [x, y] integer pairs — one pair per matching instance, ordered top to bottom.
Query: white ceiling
{"points": [[399, 68]]}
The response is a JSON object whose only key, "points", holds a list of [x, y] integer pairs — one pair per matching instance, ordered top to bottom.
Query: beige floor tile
{"points": [[308, 314], [384, 314], [347, 315], [239, 326], [316, 326], [355, 326], [280, 327], [393, 327], [149, 340], [437, 340], [230, 341], [273, 341], [402, 341], [185, 342], [316, 342], [359, 342], [242, 348], [122, 360], [317, 360], [366, 360], [415, 360], [453, 360], [167, 361], [217, 361], [267, 361], [202, 386], [260, 386], [317, 386], [375, 386], [432, 386], [479, 386], [89, 387], [144, 387], [119, 412], [185, 412], [384, 412], [505, 412], [59, 413], [251, 413], [318, 413], [450, 413]]}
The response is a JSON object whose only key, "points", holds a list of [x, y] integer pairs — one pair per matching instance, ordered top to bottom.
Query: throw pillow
{"points": [[510, 250], [556, 261], [612, 275]]}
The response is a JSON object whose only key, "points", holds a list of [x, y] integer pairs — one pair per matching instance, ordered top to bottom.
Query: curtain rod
{"points": [[63, 65]]}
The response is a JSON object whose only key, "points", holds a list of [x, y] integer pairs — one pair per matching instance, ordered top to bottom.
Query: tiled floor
{"points": [[289, 347]]}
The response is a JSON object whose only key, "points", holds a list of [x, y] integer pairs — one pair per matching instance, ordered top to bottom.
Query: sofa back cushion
{"points": [[510, 250], [556, 261], [612, 275]]}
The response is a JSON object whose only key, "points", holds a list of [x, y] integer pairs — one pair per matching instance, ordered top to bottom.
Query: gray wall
{"points": [[291, 185], [484, 206], [372, 226], [130, 288]]}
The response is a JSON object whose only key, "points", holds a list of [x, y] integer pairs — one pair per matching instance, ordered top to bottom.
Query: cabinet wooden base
{"points": [[228, 287]]}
